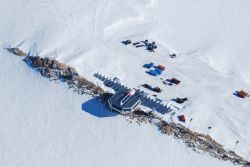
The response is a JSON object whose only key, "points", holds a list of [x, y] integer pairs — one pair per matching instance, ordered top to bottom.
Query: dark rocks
{"points": [[17, 51], [36, 62], [47, 62], [50, 62], [54, 65], [61, 66], [56, 70], [73, 71], [46, 72], [66, 72], [66, 75], [98, 90], [168, 130], [197, 142], [220, 151], [225, 157], [236, 162], [247, 164]]}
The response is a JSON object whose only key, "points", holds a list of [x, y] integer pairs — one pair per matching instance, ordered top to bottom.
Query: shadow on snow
{"points": [[97, 108]]}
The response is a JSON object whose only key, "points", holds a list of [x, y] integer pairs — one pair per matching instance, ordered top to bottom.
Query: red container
{"points": [[162, 67], [175, 81], [242, 94], [183, 118]]}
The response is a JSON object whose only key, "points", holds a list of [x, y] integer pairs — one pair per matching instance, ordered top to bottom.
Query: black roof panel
{"points": [[132, 100]]}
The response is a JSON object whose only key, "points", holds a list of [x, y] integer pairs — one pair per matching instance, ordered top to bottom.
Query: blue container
{"points": [[151, 65], [146, 66], [158, 71], [153, 72]]}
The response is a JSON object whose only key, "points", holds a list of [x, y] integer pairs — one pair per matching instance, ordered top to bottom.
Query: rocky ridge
{"points": [[55, 70], [197, 142]]}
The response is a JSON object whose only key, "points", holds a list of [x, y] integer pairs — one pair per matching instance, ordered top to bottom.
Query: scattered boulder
{"points": [[17, 51], [36, 62], [48, 62], [54, 65], [61, 66], [59, 71], [73, 71], [98, 90], [168, 130], [225, 157], [247, 164]]}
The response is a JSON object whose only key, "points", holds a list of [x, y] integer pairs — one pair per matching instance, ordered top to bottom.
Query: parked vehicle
{"points": [[126, 42], [136, 43], [139, 46], [172, 55], [175, 81], [147, 86], [155, 89], [242, 94], [181, 100]]}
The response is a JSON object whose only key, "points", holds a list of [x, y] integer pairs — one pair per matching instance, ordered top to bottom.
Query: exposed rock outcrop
{"points": [[17, 51], [56, 70], [197, 142]]}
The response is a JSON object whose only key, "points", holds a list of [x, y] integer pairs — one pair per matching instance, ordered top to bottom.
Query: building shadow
{"points": [[97, 108]]}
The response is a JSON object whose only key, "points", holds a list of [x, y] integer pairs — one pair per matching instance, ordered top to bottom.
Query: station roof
{"points": [[116, 99]]}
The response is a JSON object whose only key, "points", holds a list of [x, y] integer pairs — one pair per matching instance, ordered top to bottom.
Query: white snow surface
{"points": [[43, 123]]}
